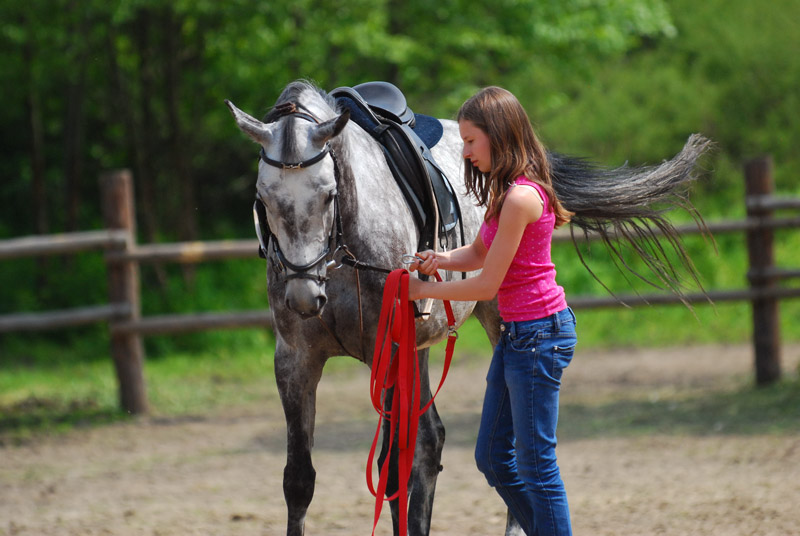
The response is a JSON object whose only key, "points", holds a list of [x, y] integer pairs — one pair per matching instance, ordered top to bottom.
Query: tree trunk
{"points": [[75, 124], [147, 131], [134, 138], [178, 143], [36, 151], [38, 188], [187, 204]]}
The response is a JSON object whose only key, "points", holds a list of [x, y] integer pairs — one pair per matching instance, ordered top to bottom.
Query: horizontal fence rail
{"points": [[61, 244], [188, 252], [123, 257], [79, 316], [162, 324]]}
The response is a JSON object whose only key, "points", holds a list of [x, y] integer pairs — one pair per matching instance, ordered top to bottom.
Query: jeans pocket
{"points": [[524, 342], [562, 356]]}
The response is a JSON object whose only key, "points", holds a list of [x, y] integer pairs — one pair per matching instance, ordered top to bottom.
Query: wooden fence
{"points": [[127, 327]]}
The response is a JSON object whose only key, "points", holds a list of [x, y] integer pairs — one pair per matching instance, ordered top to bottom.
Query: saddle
{"points": [[380, 109]]}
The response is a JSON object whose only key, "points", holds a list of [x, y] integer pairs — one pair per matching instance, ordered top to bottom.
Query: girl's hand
{"points": [[429, 264]]}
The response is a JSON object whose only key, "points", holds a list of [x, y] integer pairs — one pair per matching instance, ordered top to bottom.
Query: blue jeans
{"points": [[516, 448]]}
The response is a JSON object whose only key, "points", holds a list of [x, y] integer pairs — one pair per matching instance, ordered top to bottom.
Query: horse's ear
{"points": [[251, 126], [327, 130]]}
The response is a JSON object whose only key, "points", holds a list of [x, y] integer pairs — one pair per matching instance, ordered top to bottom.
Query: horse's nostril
{"points": [[308, 308]]}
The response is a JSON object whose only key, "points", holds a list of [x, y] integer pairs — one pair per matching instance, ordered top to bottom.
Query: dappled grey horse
{"points": [[327, 194]]}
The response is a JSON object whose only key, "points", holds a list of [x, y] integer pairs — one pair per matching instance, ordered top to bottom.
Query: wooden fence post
{"points": [[123, 288], [766, 319]]}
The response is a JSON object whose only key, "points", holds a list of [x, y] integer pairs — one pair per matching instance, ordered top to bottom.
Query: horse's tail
{"points": [[626, 207]]}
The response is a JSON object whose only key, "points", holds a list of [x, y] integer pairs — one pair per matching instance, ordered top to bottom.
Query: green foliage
{"points": [[728, 72], [140, 83], [75, 281], [223, 286]]}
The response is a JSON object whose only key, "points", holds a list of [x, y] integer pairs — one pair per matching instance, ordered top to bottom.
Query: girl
{"points": [[508, 172]]}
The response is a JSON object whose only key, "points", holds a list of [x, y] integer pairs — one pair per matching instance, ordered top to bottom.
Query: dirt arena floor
{"points": [[221, 474]]}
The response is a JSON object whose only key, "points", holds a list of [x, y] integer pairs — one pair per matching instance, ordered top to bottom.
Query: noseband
{"points": [[263, 231]]}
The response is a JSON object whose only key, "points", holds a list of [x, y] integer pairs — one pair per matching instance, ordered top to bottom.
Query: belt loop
{"points": [[557, 322]]}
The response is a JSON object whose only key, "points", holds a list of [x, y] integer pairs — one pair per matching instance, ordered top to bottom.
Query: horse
{"points": [[329, 196]]}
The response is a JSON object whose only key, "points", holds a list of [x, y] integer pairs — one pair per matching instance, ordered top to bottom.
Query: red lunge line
{"points": [[399, 370]]}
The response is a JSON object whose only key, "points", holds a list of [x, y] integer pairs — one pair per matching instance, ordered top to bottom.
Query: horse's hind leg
{"points": [[297, 377], [427, 462]]}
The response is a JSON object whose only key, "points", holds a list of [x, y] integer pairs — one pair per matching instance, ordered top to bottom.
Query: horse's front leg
{"points": [[297, 376], [427, 462]]}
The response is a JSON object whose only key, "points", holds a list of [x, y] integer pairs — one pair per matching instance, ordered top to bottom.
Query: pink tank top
{"points": [[529, 290]]}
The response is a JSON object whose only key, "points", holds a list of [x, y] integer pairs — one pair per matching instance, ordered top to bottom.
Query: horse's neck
{"points": [[371, 199]]}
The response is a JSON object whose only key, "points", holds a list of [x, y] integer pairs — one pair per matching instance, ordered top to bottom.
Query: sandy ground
{"points": [[221, 474]]}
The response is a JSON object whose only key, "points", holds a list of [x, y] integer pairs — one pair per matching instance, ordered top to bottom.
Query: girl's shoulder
{"points": [[527, 184], [524, 203]]}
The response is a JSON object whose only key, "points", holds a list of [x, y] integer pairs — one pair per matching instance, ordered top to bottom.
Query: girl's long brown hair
{"points": [[515, 151]]}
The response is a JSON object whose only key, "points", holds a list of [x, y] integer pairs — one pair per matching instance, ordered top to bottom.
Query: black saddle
{"points": [[380, 108]]}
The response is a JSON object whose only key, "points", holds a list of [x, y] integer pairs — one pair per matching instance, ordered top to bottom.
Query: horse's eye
{"points": [[331, 197]]}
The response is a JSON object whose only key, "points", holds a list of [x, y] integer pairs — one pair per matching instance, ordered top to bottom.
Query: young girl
{"points": [[508, 172]]}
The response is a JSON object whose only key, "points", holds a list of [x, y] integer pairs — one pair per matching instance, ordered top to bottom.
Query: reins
{"points": [[395, 372]]}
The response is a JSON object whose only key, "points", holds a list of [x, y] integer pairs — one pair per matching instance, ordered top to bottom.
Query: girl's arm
{"points": [[522, 206]]}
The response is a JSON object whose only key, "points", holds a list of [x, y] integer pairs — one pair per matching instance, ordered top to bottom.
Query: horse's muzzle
{"points": [[305, 297]]}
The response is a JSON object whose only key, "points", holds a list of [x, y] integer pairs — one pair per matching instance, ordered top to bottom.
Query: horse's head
{"points": [[297, 192]]}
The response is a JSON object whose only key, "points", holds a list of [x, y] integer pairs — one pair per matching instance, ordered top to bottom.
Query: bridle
{"points": [[265, 235], [336, 242]]}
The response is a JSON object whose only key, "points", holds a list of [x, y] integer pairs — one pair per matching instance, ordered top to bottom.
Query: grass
{"points": [[190, 384], [52, 388], [55, 398]]}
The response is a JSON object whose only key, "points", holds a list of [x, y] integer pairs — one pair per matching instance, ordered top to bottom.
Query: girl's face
{"points": [[477, 147]]}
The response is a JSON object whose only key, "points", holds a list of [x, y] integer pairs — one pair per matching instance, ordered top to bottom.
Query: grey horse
{"points": [[327, 193]]}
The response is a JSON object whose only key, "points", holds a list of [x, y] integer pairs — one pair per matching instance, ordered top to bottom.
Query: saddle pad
{"points": [[429, 129]]}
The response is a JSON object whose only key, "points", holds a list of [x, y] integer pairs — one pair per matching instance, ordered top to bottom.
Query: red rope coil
{"points": [[399, 370]]}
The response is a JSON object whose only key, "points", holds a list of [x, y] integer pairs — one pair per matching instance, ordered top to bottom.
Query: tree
{"points": [[92, 85]]}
